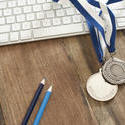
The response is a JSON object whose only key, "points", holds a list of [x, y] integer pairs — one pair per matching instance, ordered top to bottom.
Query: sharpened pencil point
{"points": [[43, 81], [50, 89]]}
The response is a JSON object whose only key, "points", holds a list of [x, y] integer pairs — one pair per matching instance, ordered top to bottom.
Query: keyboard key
{"points": [[41, 1], [49, 1], [21, 2], [31, 2], [11, 3], [3, 5], [66, 5], [119, 5], [46, 6], [56, 6], [37, 8], [27, 9], [17, 10], [70, 11], [7, 12], [122, 12], [1, 13], [60, 13], [119, 13], [50, 14], [40, 15], [30, 16], [20, 18], [76, 18], [10, 19], [121, 19], [2, 20], [66, 20], [56, 21], [46, 22], [36, 24], [121, 24], [26, 25], [16, 27], [4, 28], [51, 31], [25, 34], [14, 36], [4, 37]]}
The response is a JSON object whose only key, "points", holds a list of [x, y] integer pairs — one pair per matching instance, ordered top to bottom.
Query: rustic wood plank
{"points": [[67, 63], [23, 66], [108, 113], [2, 121]]}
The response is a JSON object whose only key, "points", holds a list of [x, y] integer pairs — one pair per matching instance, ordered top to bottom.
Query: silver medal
{"points": [[114, 71], [99, 89]]}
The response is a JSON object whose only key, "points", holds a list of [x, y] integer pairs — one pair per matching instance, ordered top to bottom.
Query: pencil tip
{"points": [[43, 81], [50, 89]]}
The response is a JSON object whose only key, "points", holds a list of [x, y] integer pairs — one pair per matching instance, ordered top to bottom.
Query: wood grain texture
{"points": [[66, 63]]}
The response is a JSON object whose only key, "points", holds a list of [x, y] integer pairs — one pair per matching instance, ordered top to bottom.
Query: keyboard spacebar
{"points": [[57, 30]]}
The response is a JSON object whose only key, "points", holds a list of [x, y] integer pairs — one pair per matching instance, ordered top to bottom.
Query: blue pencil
{"points": [[33, 102], [42, 107]]}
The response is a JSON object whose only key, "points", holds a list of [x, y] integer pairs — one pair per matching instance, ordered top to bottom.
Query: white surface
{"points": [[30, 20], [108, 27], [43, 81], [50, 89], [99, 89]]}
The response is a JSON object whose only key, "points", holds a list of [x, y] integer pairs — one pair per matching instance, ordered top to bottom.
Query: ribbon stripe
{"points": [[96, 22], [111, 46]]}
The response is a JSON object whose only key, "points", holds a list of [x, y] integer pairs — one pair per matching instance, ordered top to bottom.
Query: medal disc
{"points": [[114, 71], [99, 89]]}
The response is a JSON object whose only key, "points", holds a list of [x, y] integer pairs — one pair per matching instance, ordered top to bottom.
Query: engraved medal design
{"points": [[114, 71], [99, 89]]}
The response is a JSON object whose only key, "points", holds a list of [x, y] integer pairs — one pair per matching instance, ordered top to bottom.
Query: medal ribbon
{"points": [[97, 26], [98, 42]]}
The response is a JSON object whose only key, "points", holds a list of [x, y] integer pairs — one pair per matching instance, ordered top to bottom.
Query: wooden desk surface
{"points": [[66, 63]]}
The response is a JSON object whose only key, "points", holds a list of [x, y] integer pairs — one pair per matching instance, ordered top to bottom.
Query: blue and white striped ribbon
{"points": [[97, 25], [110, 41]]}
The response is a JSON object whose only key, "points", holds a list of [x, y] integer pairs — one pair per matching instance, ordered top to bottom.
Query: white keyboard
{"points": [[31, 20]]}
